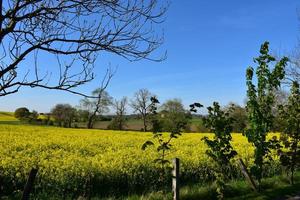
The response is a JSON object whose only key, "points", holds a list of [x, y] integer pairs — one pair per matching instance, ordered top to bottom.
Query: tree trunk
{"points": [[90, 122], [145, 123], [294, 160], [247, 175], [175, 179]]}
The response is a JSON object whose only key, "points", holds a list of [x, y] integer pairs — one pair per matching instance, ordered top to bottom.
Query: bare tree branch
{"points": [[74, 32], [293, 69], [102, 98], [141, 104], [119, 121]]}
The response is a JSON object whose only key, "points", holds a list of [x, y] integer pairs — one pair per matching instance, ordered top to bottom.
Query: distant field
{"points": [[8, 118], [131, 124], [137, 124], [113, 160]]}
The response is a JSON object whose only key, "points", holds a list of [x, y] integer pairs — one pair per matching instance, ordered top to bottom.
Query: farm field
{"points": [[8, 118], [131, 124], [137, 125], [73, 161]]}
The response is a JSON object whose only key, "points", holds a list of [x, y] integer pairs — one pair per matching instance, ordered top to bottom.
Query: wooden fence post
{"points": [[247, 175], [175, 179], [29, 184], [1, 186]]}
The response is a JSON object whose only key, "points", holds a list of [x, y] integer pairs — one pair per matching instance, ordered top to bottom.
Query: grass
{"points": [[275, 188]]}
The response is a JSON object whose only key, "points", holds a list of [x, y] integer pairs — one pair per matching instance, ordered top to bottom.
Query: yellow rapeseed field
{"points": [[69, 159]]}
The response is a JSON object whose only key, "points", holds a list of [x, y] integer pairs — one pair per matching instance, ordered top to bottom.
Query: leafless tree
{"points": [[73, 33], [293, 69], [281, 97], [141, 104], [99, 105], [119, 121]]}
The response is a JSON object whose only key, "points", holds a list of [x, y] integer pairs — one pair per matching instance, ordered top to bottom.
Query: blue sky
{"points": [[210, 43]]}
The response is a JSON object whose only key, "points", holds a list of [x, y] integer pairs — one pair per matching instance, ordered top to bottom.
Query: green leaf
{"points": [[146, 144]]}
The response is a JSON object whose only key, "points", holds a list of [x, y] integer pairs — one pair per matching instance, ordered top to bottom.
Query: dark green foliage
{"points": [[260, 103], [22, 113], [64, 114], [172, 114], [239, 114], [290, 114], [82, 115], [33, 116], [46, 119], [117, 123], [219, 123], [201, 128], [161, 143], [219, 147]]}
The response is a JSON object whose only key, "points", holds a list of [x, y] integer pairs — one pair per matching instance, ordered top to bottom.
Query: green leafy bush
{"points": [[260, 102]]}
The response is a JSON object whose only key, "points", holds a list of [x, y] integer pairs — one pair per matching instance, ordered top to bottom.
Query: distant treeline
{"points": [[171, 111]]}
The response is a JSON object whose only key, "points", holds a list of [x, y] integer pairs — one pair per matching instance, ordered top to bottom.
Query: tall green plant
{"points": [[261, 97], [290, 114], [162, 144], [219, 147]]}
